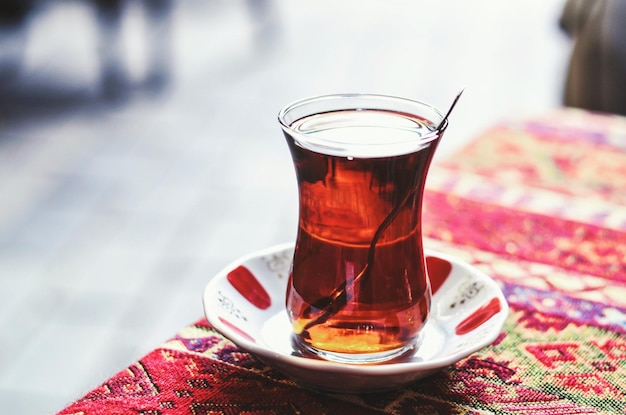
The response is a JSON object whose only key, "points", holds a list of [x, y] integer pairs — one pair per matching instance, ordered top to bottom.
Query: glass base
{"points": [[358, 358]]}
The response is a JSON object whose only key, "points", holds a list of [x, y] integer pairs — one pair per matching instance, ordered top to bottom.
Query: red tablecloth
{"points": [[538, 204]]}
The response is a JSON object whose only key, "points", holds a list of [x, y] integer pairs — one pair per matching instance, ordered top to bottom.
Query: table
{"points": [[539, 204]]}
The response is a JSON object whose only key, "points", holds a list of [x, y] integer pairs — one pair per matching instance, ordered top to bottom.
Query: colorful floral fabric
{"points": [[540, 206]]}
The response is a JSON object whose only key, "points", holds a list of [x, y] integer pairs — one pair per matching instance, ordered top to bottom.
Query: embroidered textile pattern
{"points": [[540, 206]]}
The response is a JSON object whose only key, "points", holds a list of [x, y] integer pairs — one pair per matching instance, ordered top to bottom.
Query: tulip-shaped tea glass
{"points": [[358, 291]]}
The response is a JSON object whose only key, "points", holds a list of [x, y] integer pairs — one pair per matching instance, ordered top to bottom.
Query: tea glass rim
{"points": [[320, 104]]}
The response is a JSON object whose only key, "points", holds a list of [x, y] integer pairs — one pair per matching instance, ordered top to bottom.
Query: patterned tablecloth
{"points": [[538, 204]]}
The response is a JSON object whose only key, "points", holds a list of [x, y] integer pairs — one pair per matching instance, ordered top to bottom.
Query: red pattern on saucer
{"points": [[438, 271], [249, 286]]}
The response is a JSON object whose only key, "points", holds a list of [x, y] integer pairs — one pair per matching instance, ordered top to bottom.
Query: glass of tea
{"points": [[358, 291]]}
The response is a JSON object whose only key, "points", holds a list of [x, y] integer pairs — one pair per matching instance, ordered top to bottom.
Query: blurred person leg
{"points": [[13, 21], [264, 21], [159, 42], [113, 76], [596, 78], [615, 79]]}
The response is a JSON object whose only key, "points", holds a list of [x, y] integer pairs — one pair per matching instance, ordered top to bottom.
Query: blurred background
{"points": [[140, 152]]}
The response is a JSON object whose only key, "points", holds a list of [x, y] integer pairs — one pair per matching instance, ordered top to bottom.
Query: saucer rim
{"points": [[379, 369]]}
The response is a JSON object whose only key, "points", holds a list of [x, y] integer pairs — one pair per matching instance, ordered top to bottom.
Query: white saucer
{"points": [[245, 303]]}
